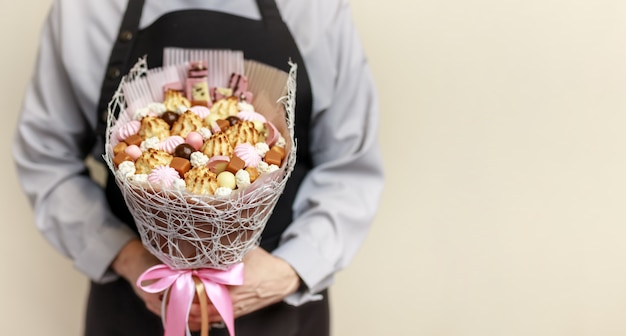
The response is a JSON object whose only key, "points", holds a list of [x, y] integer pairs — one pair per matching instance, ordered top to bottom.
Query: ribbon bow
{"points": [[182, 289]]}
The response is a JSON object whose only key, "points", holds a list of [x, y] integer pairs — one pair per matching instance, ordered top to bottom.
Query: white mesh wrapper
{"points": [[197, 231]]}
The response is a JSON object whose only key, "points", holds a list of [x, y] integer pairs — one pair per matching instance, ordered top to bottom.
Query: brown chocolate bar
{"points": [[223, 124], [134, 140], [120, 147], [279, 150], [121, 157], [273, 157], [235, 164], [181, 165], [253, 172]]}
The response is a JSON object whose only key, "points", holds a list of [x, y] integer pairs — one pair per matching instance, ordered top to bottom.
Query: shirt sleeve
{"points": [[49, 148], [337, 201]]}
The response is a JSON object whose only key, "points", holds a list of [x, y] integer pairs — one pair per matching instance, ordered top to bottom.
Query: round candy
{"points": [[170, 117], [233, 120], [195, 139], [184, 151], [227, 179]]}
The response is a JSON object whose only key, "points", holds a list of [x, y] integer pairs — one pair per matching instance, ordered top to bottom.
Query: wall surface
{"points": [[502, 130]]}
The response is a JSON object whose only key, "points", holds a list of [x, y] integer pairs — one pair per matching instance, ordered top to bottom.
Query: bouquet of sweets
{"points": [[201, 149]]}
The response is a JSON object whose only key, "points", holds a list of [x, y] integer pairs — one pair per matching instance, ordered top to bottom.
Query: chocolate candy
{"points": [[198, 69], [198, 73], [206, 103], [170, 117], [233, 120], [223, 124], [134, 140], [120, 147], [279, 150], [184, 151], [121, 157], [273, 157], [235, 164], [181, 165], [253, 172]]}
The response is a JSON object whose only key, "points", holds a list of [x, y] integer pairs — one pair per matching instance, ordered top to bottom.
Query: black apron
{"points": [[113, 309]]}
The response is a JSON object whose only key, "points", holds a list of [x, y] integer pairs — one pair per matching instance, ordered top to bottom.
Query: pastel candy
{"points": [[201, 111], [251, 116], [128, 129], [272, 134], [195, 139], [170, 144], [133, 151], [248, 154], [218, 163], [163, 176], [227, 179]]}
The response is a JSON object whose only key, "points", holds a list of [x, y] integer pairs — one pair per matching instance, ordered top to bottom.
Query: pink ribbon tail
{"points": [[182, 290]]}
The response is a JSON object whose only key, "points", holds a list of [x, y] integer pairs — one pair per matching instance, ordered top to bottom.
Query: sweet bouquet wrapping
{"points": [[201, 150]]}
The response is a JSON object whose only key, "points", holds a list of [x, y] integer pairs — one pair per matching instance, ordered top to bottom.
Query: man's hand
{"points": [[130, 263], [267, 280]]}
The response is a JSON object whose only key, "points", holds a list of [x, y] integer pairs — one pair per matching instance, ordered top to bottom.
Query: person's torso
{"points": [[267, 40], [85, 51]]}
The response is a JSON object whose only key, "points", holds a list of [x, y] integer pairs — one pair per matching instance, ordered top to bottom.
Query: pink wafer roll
{"points": [[198, 69], [198, 73], [238, 83]]}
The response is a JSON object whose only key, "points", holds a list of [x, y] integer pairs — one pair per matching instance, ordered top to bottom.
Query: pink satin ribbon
{"points": [[182, 289]]}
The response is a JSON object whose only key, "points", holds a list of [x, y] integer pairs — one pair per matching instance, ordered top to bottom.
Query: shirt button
{"points": [[125, 36], [113, 73], [104, 115]]}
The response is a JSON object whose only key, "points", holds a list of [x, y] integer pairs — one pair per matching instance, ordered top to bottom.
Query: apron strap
{"points": [[270, 14], [118, 60]]}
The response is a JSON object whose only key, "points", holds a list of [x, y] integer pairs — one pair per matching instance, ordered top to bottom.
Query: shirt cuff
{"points": [[101, 250], [314, 270]]}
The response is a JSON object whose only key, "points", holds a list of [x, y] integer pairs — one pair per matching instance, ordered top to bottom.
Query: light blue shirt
{"points": [[336, 203]]}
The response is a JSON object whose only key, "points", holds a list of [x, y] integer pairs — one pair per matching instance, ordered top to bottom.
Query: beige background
{"points": [[503, 133]]}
